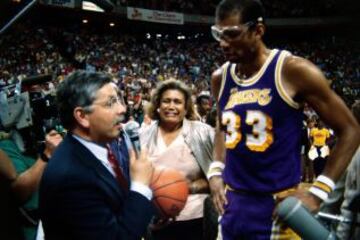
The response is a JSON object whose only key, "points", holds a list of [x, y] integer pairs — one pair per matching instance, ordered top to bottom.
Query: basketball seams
{"points": [[158, 176], [165, 185], [170, 191], [168, 197]]}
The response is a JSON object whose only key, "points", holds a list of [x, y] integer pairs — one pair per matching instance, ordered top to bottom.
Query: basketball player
{"points": [[260, 93], [319, 148]]}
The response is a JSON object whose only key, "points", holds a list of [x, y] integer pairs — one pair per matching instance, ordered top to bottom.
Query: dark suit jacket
{"points": [[80, 199], [10, 224]]}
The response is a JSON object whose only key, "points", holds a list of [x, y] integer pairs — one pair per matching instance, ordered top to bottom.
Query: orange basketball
{"points": [[170, 191]]}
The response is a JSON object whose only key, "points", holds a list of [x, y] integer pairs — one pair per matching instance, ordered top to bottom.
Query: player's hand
{"points": [[141, 169], [217, 188], [309, 200]]}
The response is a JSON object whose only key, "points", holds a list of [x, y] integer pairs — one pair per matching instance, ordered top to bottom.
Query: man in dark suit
{"points": [[84, 193]]}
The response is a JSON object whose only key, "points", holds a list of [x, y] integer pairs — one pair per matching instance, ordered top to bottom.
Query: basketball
{"points": [[170, 191]]}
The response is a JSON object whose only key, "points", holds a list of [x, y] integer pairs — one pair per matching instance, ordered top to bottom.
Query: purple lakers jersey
{"points": [[263, 129]]}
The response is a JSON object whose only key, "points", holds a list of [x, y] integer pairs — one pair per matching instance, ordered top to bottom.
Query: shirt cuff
{"points": [[142, 189]]}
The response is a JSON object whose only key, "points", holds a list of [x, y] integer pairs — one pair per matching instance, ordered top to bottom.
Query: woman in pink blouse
{"points": [[177, 140]]}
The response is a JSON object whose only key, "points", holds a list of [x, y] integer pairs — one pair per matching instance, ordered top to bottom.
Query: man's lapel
{"points": [[89, 160]]}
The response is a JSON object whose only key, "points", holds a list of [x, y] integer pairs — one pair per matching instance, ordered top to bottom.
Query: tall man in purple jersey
{"points": [[260, 93]]}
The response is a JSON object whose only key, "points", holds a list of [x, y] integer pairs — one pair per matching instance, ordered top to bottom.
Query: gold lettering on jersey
{"points": [[260, 96]]}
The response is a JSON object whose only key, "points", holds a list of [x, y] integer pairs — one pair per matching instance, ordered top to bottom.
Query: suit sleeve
{"points": [[90, 216]]}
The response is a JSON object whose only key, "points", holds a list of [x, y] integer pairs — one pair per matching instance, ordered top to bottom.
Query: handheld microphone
{"points": [[132, 130], [293, 213]]}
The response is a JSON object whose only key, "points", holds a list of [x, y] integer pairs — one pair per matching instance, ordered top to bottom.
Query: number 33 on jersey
{"points": [[254, 110], [258, 140]]}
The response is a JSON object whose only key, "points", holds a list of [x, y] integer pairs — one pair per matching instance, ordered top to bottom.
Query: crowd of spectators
{"points": [[201, 7], [275, 8], [307, 8], [28, 51], [337, 58], [139, 63]]}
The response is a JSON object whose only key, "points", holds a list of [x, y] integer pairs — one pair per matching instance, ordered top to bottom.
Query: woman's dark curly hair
{"points": [[171, 84]]}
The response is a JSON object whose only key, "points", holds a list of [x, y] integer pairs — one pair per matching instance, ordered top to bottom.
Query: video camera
{"points": [[29, 106]]}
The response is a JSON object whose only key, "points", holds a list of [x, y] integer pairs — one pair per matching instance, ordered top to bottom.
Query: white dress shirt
{"points": [[101, 153]]}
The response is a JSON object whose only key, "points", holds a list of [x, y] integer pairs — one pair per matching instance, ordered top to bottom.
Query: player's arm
{"points": [[307, 84], [219, 140], [216, 182]]}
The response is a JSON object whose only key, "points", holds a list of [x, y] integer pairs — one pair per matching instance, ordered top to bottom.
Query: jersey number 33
{"points": [[258, 140]]}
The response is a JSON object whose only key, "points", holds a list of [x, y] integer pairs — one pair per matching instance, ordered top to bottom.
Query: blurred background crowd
{"points": [[277, 8], [143, 62]]}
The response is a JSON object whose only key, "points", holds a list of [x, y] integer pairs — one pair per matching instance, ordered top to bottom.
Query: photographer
{"points": [[28, 174], [21, 190]]}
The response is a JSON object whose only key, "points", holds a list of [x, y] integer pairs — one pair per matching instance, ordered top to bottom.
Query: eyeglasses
{"points": [[231, 32], [112, 102]]}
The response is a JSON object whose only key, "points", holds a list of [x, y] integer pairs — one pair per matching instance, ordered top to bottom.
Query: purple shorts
{"points": [[249, 216]]}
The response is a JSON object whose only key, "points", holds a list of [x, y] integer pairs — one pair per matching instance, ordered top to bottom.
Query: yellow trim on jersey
{"points": [[257, 76], [223, 79], [278, 82], [233, 135], [269, 137], [284, 193], [281, 231]]}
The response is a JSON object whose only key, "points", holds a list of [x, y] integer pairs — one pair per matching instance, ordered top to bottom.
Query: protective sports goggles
{"points": [[232, 32]]}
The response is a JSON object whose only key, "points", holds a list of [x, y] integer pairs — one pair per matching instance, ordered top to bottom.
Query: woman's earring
{"points": [[158, 110]]}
